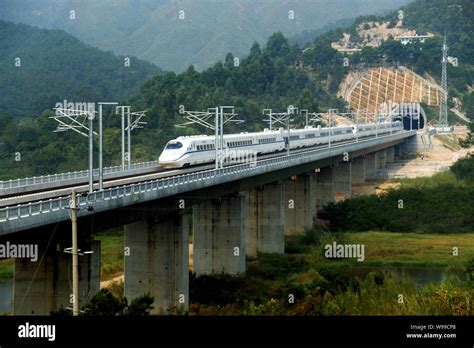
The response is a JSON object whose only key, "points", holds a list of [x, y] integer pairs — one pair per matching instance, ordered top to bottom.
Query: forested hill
{"points": [[425, 16], [176, 33], [40, 67], [269, 77]]}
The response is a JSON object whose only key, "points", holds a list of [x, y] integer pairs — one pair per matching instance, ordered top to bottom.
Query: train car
{"points": [[186, 151]]}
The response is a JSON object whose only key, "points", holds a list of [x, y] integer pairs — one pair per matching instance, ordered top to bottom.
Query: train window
{"points": [[174, 146]]}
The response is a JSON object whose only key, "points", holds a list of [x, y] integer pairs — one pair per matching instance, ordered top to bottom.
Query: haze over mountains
{"points": [[207, 30], [276, 73]]}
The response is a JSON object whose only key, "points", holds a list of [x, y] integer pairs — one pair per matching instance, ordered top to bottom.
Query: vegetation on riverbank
{"points": [[442, 204], [304, 282]]}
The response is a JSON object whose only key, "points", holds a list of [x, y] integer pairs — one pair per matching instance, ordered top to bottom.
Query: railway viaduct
{"points": [[231, 213]]}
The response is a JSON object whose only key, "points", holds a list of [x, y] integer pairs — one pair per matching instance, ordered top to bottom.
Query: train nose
{"points": [[164, 157], [168, 157]]}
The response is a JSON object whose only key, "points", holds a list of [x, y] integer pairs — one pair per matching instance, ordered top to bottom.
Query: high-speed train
{"points": [[186, 151]]}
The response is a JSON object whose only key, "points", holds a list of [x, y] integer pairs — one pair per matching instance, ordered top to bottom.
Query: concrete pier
{"points": [[390, 153], [380, 160], [358, 170], [370, 171], [342, 180], [324, 187], [300, 203], [265, 219], [219, 236], [157, 261], [46, 285]]}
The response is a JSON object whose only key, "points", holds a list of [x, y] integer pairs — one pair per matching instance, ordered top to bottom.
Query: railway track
{"points": [[46, 194]]}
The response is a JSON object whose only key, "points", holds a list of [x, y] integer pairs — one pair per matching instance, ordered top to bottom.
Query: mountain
{"points": [[433, 17], [203, 33], [40, 67]]}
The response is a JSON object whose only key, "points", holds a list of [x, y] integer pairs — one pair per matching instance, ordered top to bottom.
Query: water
{"points": [[419, 275], [6, 295]]}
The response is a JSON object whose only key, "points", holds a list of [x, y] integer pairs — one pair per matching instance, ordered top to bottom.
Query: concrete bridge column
{"points": [[397, 150], [390, 152], [380, 160], [381, 163], [370, 169], [358, 170], [342, 180], [324, 187], [300, 203], [265, 219], [219, 236], [156, 261], [45, 285]]}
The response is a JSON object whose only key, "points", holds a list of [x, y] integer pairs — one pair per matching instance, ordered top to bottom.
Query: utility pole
{"points": [[443, 107], [123, 108], [290, 111], [305, 112], [331, 112], [90, 117], [270, 117], [357, 125], [288, 135], [222, 137], [129, 140], [216, 140], [101, 143], [101, 172], [75, 261]]}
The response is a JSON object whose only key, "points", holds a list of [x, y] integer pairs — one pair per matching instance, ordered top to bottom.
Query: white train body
{"points": [[200, 149]]}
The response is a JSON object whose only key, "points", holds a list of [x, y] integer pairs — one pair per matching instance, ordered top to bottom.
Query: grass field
{"points": [[406, 249], [112, 250], [6, 268]]}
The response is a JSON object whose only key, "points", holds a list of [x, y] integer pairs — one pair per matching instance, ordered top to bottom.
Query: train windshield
{"points": [[173, 146]]}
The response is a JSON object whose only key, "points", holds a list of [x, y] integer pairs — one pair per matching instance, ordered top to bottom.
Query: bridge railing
{"points": [[80, 174], [41, 207]]}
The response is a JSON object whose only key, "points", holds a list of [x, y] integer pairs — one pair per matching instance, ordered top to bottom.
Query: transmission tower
{"points": [[443, 105]]}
